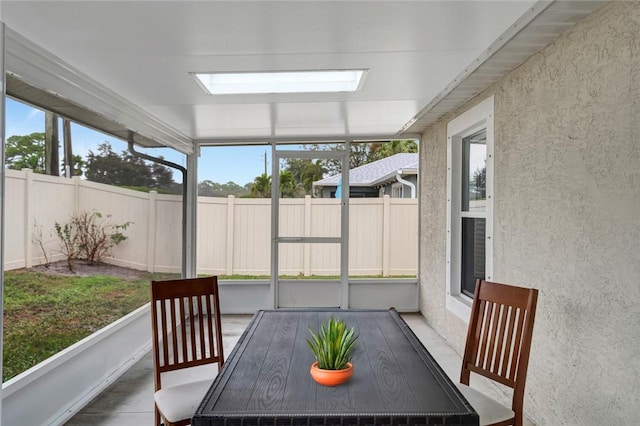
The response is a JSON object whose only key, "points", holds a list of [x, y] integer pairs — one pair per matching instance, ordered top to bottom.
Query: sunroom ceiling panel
{"points": [[144, 51]]}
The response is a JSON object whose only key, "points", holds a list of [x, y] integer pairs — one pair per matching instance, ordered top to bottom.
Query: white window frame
{"points": [[475, 119]]}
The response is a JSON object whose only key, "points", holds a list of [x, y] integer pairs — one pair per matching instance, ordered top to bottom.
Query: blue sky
{"points": [[218, 164]]}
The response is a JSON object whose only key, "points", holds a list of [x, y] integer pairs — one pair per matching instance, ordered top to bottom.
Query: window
{"points": [[281, 82], [397, 190], [469, 204], [473, 211]]}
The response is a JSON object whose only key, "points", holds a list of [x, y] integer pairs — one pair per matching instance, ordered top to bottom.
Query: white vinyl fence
{"points": [[233, 233]]}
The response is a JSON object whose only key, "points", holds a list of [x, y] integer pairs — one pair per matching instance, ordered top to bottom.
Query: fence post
{"points": [[76, 194], [231, 202], [28, 217], [151, 231], [386, 234], [306, 247]]}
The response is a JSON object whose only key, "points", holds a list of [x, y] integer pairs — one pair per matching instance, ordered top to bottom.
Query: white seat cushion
{"points": [[180, 402], [489, 410]]}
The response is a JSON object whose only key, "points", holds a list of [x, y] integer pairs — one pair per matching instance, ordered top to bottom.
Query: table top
{"points": [[266, 380]]}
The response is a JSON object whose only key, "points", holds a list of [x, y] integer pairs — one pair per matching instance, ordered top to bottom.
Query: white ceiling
{"points": [[143, 52]]}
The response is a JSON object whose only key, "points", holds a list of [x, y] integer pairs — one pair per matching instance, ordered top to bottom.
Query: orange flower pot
{"points": [[331, 377]]}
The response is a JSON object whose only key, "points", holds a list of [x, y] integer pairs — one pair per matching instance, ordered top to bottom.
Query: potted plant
{"points": [[332, 348]]}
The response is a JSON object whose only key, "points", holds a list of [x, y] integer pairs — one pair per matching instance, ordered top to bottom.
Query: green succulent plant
{"points": [[333, 345]]}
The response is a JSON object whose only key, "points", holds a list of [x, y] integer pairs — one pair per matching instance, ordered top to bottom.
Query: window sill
{"points": [[460, 305]]}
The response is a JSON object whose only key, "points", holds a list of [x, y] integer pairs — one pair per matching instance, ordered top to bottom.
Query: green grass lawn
{"points": [[44, 314]]}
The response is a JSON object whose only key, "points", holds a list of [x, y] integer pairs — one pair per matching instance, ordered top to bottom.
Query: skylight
{"points": [[280, 82]]}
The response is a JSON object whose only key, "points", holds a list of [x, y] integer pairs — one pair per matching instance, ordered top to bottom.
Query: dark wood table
{"points": [[266, 381]]}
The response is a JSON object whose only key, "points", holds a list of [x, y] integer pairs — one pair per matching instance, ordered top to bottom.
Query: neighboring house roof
{"points": [[377, 172]]}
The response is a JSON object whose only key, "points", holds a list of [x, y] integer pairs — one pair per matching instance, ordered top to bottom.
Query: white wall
{"points": [[566, 217], [233, 233]]}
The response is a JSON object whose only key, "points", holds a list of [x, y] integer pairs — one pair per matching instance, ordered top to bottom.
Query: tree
{"points": [[390, 148], [26, 152], [363, 153], [359, 155], [77, 166], [105, 166], [127, 170], [135, 171], [305, 172], [161, 175], [478, 183], [287, 184], [261, 186], [208, 188]]}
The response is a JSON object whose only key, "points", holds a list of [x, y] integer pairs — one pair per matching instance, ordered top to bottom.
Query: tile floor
{"points": [[129, 400]]}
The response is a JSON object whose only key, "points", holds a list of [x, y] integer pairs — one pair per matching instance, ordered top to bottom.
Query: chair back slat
{"points": [[186, 324], [192, 327], [201, 327], [164, 328], [174, 328], [209, 329], [183, 331], [493, 334], [500, 339], [517, 345], [508, 347], [482, 356]]}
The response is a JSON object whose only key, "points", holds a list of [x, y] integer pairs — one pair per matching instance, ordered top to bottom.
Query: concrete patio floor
{"points": [[129, 400]]}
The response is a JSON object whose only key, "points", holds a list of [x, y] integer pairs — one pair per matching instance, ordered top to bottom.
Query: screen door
{"points": [[309, 228]]}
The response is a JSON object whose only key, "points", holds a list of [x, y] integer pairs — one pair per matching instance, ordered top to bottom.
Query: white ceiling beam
{"points": [[45, 71]]}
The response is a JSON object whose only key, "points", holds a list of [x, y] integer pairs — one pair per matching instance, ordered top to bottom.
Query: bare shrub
{"points": [[89, 236], [96, 236], [37, 238], [68, 242]]}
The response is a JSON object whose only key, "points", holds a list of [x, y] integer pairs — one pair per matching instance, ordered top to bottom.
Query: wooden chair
{"points": [[185, 317], [498, 344]]}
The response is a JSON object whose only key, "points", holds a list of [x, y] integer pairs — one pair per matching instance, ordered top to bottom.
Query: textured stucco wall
{"points": [[566, 217]]}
